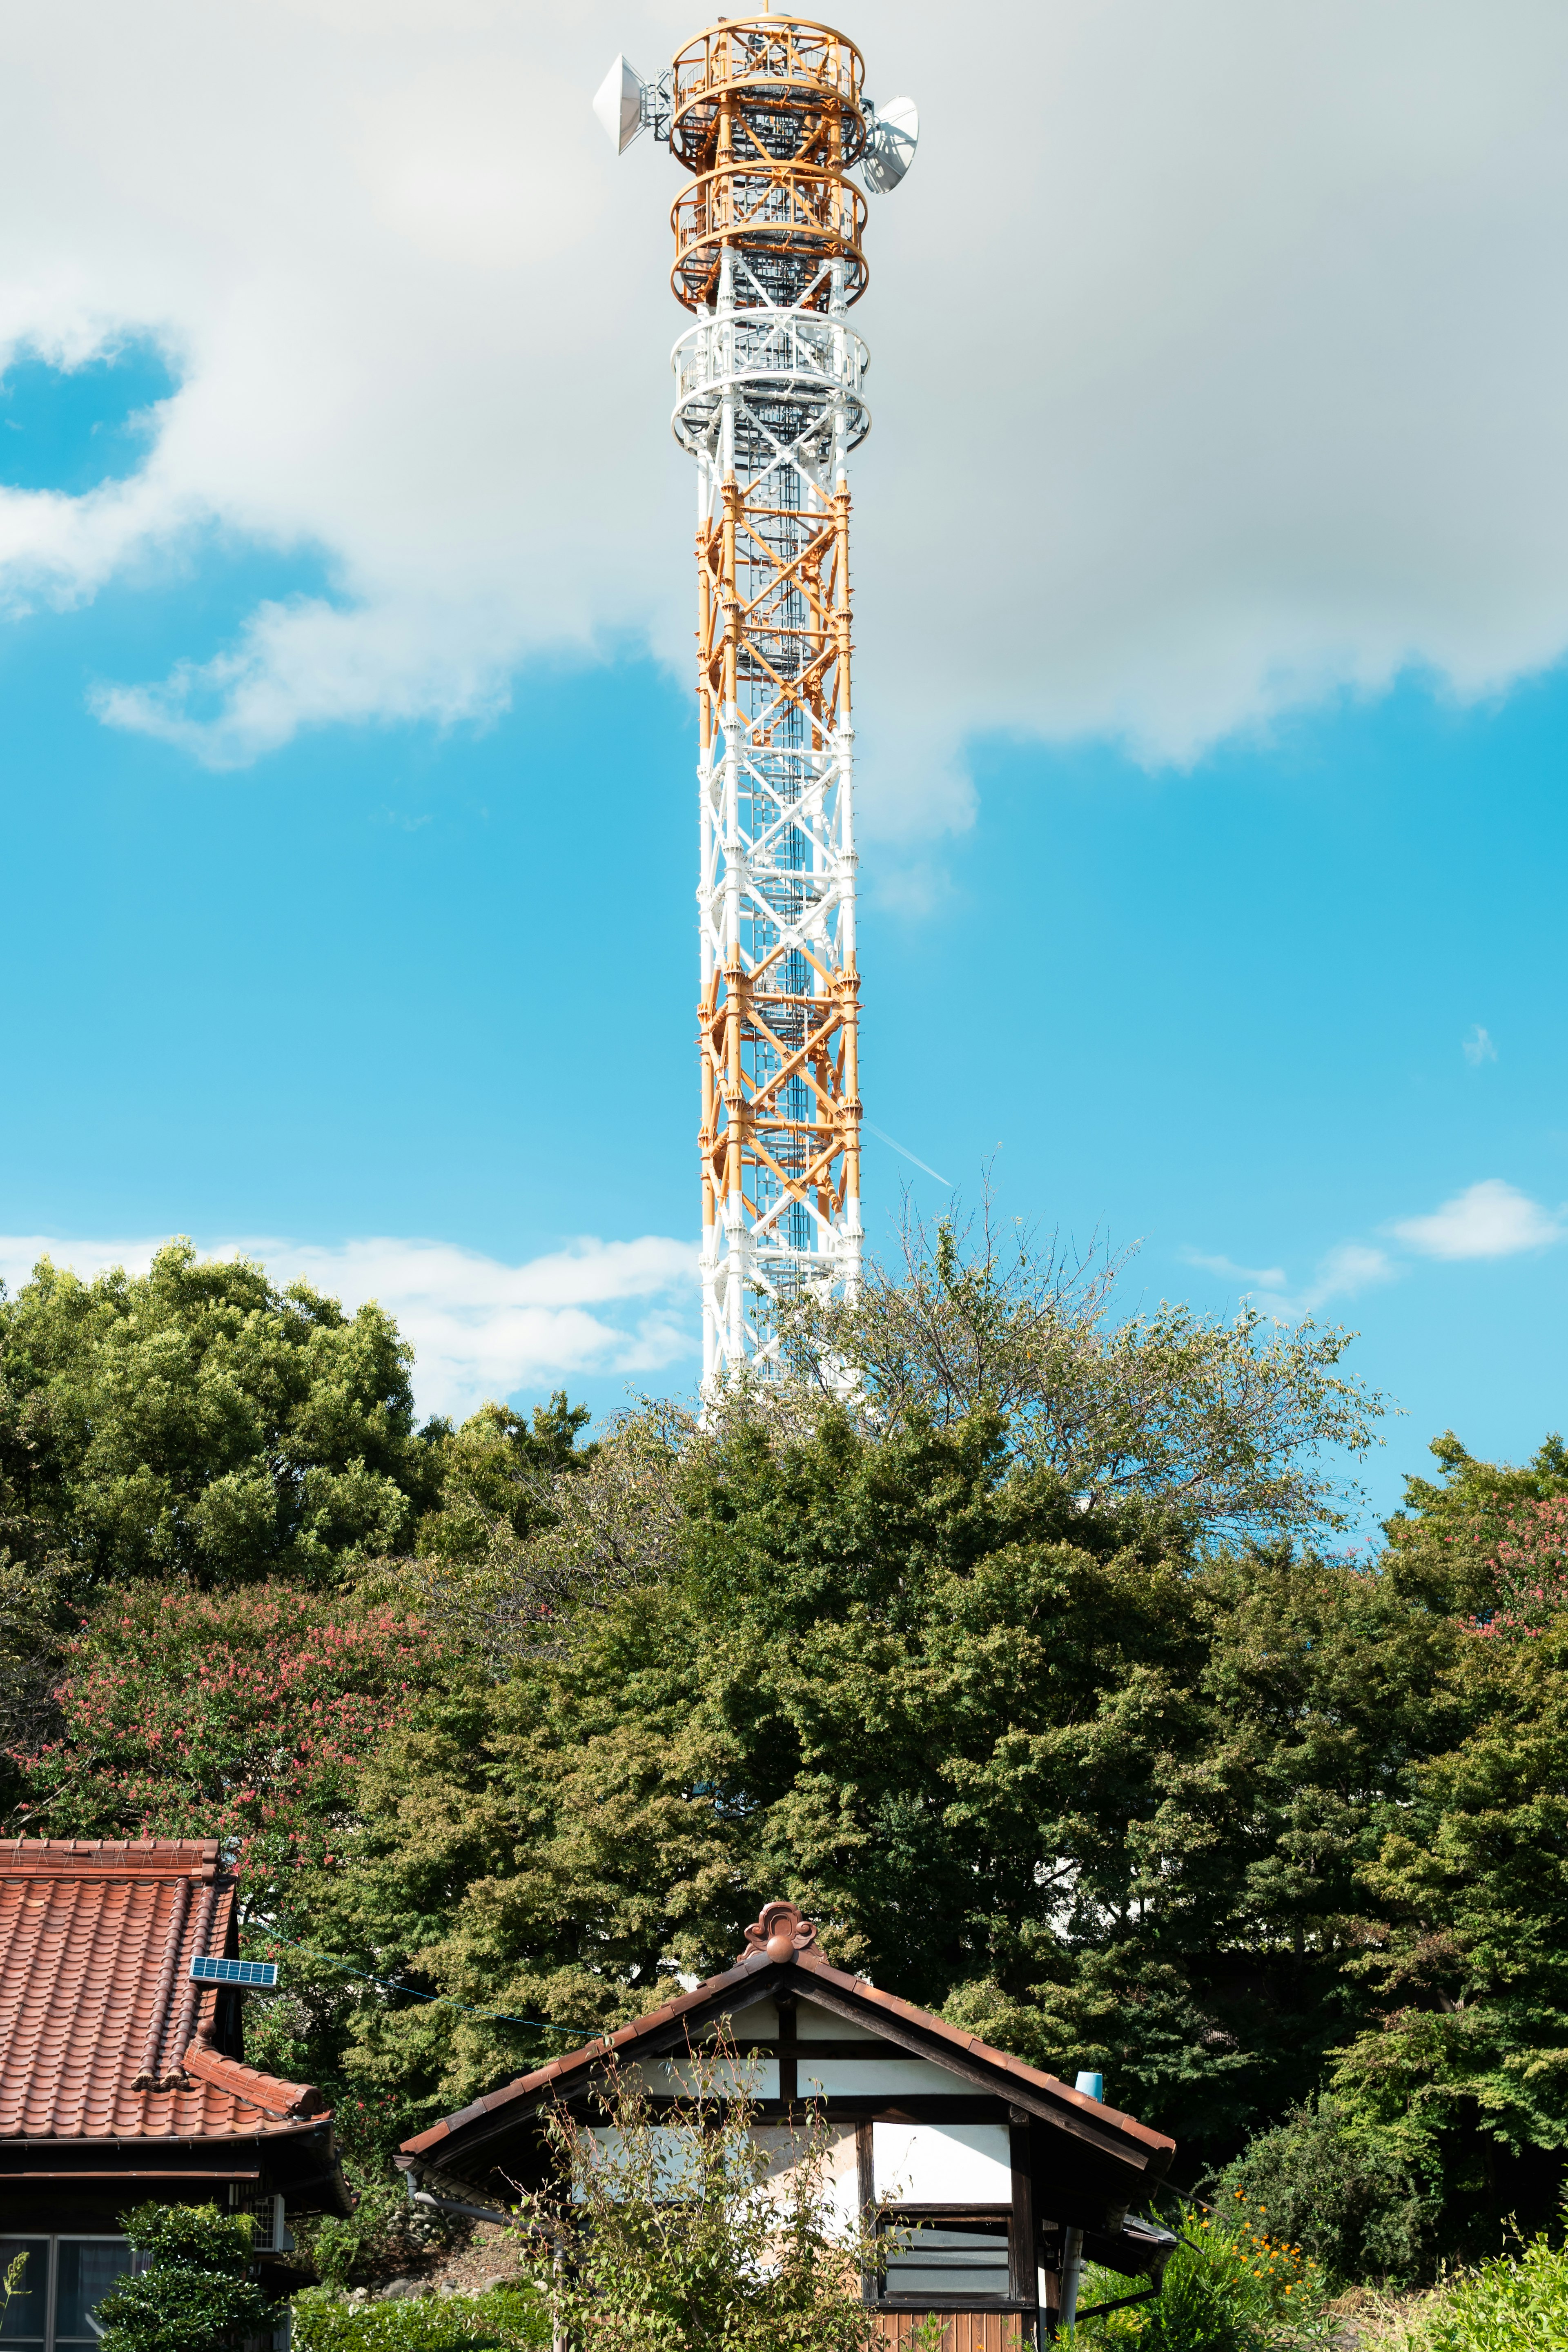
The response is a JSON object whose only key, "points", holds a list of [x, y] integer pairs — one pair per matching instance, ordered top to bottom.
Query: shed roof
{"points": [[780, 1945], [103, 2037]]}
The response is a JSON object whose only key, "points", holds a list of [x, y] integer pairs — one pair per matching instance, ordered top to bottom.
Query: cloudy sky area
{"points": [[1212, 565]]}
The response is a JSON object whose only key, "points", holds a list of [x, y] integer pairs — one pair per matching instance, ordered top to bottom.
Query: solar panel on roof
{"points": [[240, 1972]]}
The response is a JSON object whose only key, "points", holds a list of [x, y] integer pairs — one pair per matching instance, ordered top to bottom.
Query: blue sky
{"points": [[1214, 927]]}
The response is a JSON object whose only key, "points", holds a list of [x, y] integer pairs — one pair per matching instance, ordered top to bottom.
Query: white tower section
{"points": [[770, 402]]}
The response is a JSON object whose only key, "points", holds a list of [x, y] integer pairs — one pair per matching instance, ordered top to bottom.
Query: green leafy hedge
{"points": [[1515, 2304], [506, 2317]]}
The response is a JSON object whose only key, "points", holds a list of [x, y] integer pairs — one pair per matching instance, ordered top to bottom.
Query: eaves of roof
{"points": [[104, 2035], [1105, 2129]]}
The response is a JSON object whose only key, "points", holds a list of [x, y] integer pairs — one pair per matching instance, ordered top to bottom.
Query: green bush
{"points": [[1348, 2195], [383, 2233], [1230, 2287], [193, 2296], [1514, 2304], [1194, 2313], [507, 2316]]}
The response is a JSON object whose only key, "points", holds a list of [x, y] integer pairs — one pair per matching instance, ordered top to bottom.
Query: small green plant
{"points": [[697, 2233], [11, 2284], [193, 2295], [507, 2317]]}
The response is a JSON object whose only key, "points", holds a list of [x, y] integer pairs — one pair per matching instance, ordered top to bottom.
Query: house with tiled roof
{"points": [[122, 2075], [998, 2181]]}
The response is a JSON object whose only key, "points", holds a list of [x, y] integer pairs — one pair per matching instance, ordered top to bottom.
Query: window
{"points": [[950, 2261], [62, 2284], [28, 2313]]}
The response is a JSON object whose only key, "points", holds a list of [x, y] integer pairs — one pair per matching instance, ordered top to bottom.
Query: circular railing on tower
{"points": [[794, 85], [784, 219]]}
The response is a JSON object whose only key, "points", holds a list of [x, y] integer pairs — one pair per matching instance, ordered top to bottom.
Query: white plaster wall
{"points": [[813, 2023], [869, 2077], [669, 2078], [784, 2147], [942, 2164]]}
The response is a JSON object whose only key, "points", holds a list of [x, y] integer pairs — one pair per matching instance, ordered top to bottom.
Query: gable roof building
{"points": [[122, 2078], [1012, 2174]]}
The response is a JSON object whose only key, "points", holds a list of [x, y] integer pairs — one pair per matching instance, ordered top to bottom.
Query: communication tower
{"points": [[770, 116]]}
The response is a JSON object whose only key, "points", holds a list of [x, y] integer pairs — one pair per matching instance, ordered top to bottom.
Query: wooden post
{"points": [[789, 2089], [866, 2167], [1022, 2256]]}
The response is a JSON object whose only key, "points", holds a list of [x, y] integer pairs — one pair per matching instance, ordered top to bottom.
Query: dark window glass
{"points": [[972, 2262], [88, 2268], [28, 2313]]}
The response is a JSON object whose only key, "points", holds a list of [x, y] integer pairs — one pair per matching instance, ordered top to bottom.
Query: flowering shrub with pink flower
{"points": [[1530, 1572], [240, 1714]]}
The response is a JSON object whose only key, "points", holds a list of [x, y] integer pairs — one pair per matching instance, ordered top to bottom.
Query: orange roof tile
{"points": [[98, 2014]]}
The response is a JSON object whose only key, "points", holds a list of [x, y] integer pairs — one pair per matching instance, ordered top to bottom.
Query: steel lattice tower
{"points": [[769, 115]]}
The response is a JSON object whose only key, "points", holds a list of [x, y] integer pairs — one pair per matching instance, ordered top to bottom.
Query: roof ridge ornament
{"points": [[779, 1933]]}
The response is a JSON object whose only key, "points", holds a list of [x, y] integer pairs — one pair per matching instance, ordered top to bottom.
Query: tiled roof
{"points": [[99, 2017], [1155, 2148]]}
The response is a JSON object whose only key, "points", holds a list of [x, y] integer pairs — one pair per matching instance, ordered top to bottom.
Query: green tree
{"points": [[198, 1421], [1202, 1424], [498, 1475], [1443, 1545], [240, 1714], [1029, 1760], [1466, 2066], [193, 2295]]}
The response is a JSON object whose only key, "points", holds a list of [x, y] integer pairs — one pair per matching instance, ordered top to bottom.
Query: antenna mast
{"points": [[769, 115]]}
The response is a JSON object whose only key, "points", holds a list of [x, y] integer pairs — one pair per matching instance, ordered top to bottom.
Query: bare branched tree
{"points": [[1223, 1424]]}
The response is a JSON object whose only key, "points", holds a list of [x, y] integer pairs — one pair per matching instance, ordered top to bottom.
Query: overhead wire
{"points": [[439, 2000]]}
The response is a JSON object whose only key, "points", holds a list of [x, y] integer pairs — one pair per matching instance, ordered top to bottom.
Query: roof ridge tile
{"points": [[248, 2082]]}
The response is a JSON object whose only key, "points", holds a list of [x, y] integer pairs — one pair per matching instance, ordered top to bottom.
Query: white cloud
{"points": [[1227, 381], [1477, 1047], [1491, 1219], [1346, 1269], [1269, 1277], [480, 1327]]}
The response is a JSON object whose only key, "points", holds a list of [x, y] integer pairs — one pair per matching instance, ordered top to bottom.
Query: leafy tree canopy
{"points": [[197, 1422], [497, 1476], [1444, 1545], [241, 1714], [1101, 1799]]}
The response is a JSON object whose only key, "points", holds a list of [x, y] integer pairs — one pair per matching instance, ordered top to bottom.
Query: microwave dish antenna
{"points": [[626, 106], [895, 131]]}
